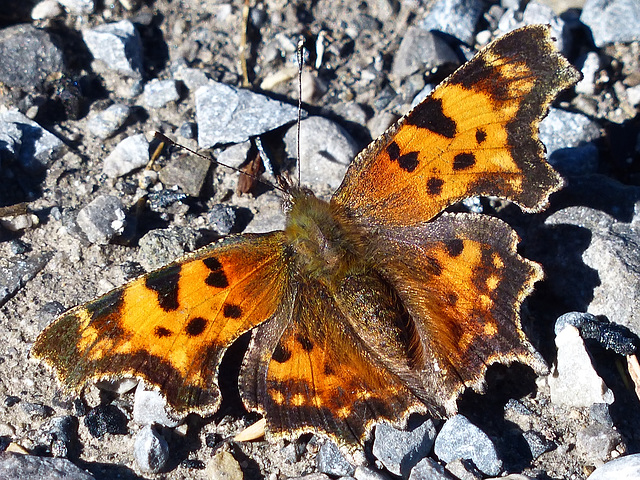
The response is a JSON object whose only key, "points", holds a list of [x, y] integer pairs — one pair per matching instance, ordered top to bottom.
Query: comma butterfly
{"points": [[370, 306]]}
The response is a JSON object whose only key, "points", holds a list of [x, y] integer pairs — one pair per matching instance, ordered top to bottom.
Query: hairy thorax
{"points": [[322, 248]]}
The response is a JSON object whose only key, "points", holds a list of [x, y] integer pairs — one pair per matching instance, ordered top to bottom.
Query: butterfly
{"points": [[369, 306]]}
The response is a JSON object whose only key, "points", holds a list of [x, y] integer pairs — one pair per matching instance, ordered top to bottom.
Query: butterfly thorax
{"points": [[320, 243]]}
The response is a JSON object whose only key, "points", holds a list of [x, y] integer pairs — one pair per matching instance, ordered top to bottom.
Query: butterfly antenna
{"points": [[300, 52], [163, 138]]}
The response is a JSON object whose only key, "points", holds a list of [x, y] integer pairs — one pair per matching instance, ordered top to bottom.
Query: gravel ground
{"points": [[79, 96]]}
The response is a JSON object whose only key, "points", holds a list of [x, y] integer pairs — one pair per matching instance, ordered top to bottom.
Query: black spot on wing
{"points": [[430, 115], [481, 136], [393, 150], [409, 161], [462, 161], [434, 185], [454, 247], [217, 278], [165, 282], [452, 299], [232, 311], [195, 326], [162, 332], [306, 344], [281, 354]]}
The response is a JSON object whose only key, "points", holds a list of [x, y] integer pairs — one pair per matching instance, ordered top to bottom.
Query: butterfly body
{"points": [[365, 308]]}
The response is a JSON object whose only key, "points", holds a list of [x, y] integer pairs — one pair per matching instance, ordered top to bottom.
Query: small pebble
{"points": [[78, 7], [458, 18], [612, 21], [117, 45], [421, 51], [158, 93], [227, 114], [106, 123], [326, 150], [130, 154], [187, 172], [222, 218], [103, 219], [574, 382], [150, 407], [105, 419], [460, 439], [596, 442], [537, 443], [150, 450], [400, 450], [331, 461], [16, 466], [223, 466], [623, 468], [429, 469]]}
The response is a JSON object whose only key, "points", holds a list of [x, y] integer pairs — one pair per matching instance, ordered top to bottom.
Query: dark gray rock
{"points": [[457, 18], [612, 21], [117, 46], [421, 51], [28, 56], [158, 93], [231, 115], [104, 124], [22, 138], [326, 150], [130, 154], [187, 172], [222, 218], [103, 219], [162, 246], [16, 272], [609, 335], [574, 381], [599, 413], [105, 419], [61, 434], [460, 439], [596, 442], [538, 443], [150, 450], [400, 450], [330, 461], [14, 466], [623, 468], [429, 469]]}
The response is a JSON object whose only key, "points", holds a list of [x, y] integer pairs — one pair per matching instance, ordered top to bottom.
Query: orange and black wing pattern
{"points": [[476, 134], [172, 326]]}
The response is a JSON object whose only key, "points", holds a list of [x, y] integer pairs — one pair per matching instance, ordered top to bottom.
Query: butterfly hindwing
{"points": [[476, 134], [172, 326]]}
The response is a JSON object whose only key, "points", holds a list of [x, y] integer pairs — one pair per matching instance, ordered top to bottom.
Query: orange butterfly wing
{"points": [[476, 134], [172, 326]]}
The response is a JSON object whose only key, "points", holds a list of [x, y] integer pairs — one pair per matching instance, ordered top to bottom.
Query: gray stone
{"points": [[78, 7], [46, 9], [539, 13], [455, 17], [612, 21], [117, 45], [421, 51], [28, 56], [590, 67], [193, 78], [158, 93], [231, 115], [104, 124], [566, 136], [35, 148], [326, 150], [130, 154], [234, 155], [188, 173], [222, 218], [103, 219], [162, 246], [613, 252], [16, 272], [609, 335], [574, 382], [149, 407], [599, 412], [61, 434], [460, 439], [596, 442], [538, 443], [150, 450], [400, 450], [330, 461], [14, 466], [623, 468], [429, 469], [464, 470], [366, 473]]}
